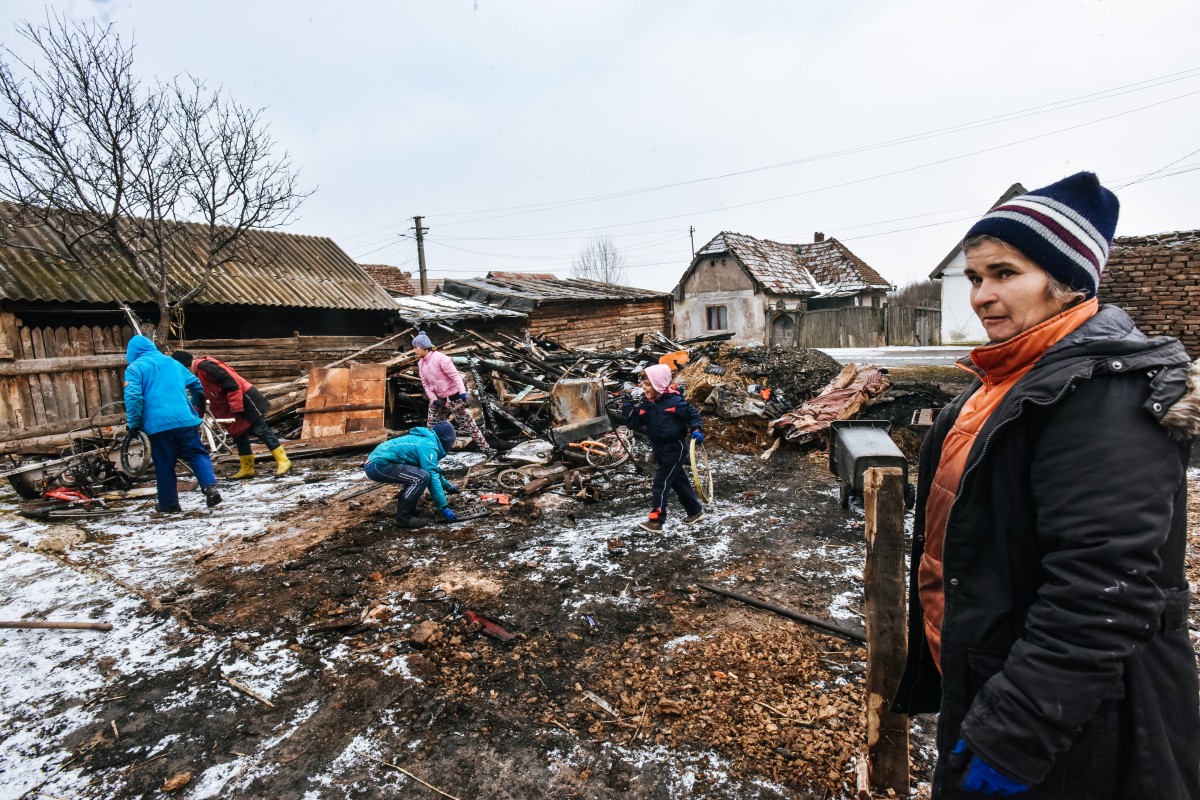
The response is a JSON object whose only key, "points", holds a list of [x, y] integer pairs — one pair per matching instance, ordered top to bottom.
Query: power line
{"points": [[1104, 94], [1010, 116], [893, 173]]}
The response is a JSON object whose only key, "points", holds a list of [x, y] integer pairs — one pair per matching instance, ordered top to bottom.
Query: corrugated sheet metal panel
{"points": [[273, 269], [543, 289], [447, 308]]}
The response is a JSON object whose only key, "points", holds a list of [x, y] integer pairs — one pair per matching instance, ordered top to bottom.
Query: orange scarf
{"points": [[999, 367]]}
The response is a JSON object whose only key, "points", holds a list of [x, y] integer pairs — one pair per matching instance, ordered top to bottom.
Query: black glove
{"points": [[131, 430], [452, 489]]}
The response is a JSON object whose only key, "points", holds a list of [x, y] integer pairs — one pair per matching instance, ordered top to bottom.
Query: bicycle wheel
{"points": [[614, 451], [135, 455], [701, 472]]}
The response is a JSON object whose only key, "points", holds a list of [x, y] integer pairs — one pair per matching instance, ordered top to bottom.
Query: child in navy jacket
{"points": [[668, 420]]}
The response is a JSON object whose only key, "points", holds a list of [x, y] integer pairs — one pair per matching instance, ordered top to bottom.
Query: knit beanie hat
{"points": [[1065, 228], [422, 341], [183, 357], [659, 376], [445, 432]]}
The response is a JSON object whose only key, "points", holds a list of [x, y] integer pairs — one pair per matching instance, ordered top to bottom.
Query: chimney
{"points": [[818, 237]]}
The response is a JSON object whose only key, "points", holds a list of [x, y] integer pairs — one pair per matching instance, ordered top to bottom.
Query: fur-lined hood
{"points": [[1182, 419]]}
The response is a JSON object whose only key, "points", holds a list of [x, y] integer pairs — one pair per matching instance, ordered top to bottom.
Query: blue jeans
{"points": [[166, 447], [414, 480]]}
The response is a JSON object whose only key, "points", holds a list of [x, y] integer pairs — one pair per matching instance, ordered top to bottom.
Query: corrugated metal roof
{"points": [[276, 269], [817, 269], [393, 280], [525, 294], [447, 308]]}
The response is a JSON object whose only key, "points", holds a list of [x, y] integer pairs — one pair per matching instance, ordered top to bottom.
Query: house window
{"points": [[717, 318]]}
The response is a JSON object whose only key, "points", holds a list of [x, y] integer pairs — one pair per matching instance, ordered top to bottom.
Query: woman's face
{"points": [[1009, 293], [420, 351]]}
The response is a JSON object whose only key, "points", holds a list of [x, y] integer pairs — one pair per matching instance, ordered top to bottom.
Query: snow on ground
{"points": [[52, 682]]}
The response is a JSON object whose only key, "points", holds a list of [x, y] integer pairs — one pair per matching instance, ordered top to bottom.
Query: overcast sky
{"points": [[520, 129]]}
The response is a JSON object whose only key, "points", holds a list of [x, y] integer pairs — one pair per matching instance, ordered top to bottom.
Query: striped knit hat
{"points": [[1065, 228]]}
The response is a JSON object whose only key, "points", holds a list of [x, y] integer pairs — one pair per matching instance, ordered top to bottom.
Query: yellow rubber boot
{"points": [[281, 460], [247, 470]]}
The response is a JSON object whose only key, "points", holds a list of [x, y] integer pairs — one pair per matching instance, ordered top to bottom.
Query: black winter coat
{"points": [[667, 419], [1066, 661]]}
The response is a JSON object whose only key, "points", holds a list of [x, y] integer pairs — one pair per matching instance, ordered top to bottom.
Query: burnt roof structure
{"points": [[825, 268], [518, 292], [444, 308]]}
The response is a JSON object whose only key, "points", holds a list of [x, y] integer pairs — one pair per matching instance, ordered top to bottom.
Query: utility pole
{"points": [[692, 236], [421, 254]]}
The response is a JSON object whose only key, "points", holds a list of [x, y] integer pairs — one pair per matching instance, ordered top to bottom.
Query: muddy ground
{"points": [[623, 679]]}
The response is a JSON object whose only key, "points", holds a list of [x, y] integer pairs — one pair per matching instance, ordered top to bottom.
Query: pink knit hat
{"points": [[659, 376]]}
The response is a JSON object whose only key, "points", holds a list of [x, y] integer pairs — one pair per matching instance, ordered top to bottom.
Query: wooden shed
{"points": [[578, 313]]}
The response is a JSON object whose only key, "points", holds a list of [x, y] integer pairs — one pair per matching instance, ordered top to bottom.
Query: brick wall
{"points": [[1157, 280]]}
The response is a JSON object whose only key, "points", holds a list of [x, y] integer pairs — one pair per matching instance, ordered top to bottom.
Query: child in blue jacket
{"points": [[669, 421], [411, 461]]}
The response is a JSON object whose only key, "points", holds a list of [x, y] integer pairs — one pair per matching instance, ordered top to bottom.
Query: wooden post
{"points": [[883, 588]]}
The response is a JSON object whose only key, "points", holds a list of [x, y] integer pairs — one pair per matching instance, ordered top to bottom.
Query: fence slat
{"points": [[68, 386], [40, 411]]}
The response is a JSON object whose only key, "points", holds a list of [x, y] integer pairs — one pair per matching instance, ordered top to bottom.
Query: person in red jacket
{"points": [[230, 395]]}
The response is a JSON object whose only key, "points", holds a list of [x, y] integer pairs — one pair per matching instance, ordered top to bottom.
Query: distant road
{"points": [[898, 356]]}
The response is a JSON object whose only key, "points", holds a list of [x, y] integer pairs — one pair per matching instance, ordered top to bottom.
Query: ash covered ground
{"points": [[623, 679]]}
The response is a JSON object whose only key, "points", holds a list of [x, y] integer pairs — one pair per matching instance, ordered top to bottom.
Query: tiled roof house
{"points": [[734, 281]]}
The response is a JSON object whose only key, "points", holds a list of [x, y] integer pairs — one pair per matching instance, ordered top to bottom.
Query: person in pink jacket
{"points": [[446, 391]]}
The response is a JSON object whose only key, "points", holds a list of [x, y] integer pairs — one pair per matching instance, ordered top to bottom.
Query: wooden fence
{"points": [[859, 326], [57, 380]]}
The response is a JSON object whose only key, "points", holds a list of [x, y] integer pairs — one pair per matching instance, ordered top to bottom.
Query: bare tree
{"points": [[150, 176], [600, 260], [926, 294]]}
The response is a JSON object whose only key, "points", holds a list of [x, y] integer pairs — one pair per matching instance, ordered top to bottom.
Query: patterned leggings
{"points": [[463, 421]]}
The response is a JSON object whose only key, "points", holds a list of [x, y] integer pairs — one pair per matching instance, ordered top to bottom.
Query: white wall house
{"points": [[737, 284], [959, 323]]}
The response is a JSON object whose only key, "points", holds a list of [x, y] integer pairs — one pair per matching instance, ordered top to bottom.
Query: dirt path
{"points": [[622, 680]]}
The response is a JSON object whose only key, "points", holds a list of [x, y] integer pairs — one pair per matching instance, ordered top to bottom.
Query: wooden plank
{"points": [[10, 340], [31, 345], [67, 363], [91, 379], [68, 386], [368, 386], [326, 387], [111, 388], [20, 401], [7, 416], [49, 438], [883, 590]]}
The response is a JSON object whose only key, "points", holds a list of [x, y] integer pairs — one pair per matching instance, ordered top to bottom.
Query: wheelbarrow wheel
{"points": [[135, 455], [701, 472], [512, 478]]}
